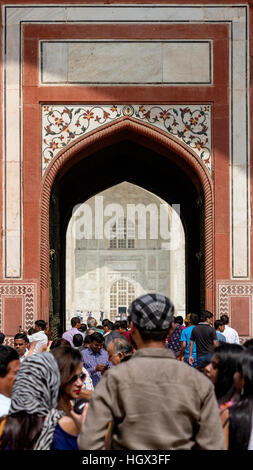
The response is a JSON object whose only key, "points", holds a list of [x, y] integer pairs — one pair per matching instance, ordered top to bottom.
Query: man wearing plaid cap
{"points": [[153, 401]]}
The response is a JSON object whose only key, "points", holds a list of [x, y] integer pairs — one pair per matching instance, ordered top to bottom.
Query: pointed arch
{"points": [[154, 139]]}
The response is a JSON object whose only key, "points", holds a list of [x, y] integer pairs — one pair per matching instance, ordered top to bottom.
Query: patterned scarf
{"points": [[35, 391]]}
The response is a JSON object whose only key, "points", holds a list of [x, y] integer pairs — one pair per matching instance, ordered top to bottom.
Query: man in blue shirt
{"points": [[220, 327], [185, 341], [95, 358]]}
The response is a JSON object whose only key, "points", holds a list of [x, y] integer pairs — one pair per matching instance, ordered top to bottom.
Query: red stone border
{"points": [[151, 137]]}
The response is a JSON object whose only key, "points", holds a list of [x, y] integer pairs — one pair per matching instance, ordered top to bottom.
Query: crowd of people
{"points": [[156, 382]]}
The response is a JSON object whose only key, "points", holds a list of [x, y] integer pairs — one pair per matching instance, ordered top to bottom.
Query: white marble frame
{"points": [[236, 16]]}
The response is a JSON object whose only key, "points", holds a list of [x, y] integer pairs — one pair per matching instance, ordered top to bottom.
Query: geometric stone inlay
{"points": [[190, 124], [225, 291], [28, 294]]}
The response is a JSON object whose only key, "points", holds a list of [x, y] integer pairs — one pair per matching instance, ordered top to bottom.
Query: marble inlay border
{"points": [[237, 19], [61, 125], [28, 293]]}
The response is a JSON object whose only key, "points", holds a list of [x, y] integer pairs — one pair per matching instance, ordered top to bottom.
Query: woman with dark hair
{"points": [[59, 342], [70, 365], [221, 371], [239, 417], [34, 421]]}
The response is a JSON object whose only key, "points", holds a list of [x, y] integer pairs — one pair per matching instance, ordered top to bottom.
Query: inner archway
{"points": [[163, 173], [120, 244]]}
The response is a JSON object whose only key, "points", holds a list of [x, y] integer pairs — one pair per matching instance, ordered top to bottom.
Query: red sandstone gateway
{"points": [[95, 95]]}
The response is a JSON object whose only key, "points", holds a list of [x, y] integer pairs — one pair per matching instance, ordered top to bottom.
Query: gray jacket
{"points": [[155, 403]]}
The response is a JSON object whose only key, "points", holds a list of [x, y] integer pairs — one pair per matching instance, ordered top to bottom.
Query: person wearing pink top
{"points": [[75, 324]]}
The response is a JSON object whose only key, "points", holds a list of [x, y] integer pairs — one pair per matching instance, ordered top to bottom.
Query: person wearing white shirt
{"points": [[230, 334], [40, 336], [9, 365]]}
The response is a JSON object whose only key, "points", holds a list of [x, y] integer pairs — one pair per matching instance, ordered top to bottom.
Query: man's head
{"points": [[151, 316], [208, 317], [179, 319], [194, 319], [225, 319], [75, 322], [92, 322], [40, 325], [107, 325], [123, 325], [219, 325], [118, 326], [83, 327], [31, 331], [2, 336], [78, 340], [87, 341], [97, 342], [21, 343], [118, 349], [9, 365]]}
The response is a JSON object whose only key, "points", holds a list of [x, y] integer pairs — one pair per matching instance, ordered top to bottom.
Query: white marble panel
{"points": [[35, 13], [135, 13], [223, 13], [239, 33], [12, 60], [54, 62], [114, 62], [126, 62], [186, 62], [241, 62], [12, 126], [240, 144], [12, 195], [12, 220], [240, 221], [13, 254], [240, 263], [122, 265]]}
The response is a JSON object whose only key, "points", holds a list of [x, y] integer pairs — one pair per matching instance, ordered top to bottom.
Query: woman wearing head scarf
{"points": [[33, 418]]}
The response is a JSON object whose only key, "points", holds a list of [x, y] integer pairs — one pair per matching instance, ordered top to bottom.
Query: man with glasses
{"points": [[119, 350]]}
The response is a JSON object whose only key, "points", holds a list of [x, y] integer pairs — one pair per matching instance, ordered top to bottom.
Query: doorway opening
{"points": [[126, 161], [120, 244]]}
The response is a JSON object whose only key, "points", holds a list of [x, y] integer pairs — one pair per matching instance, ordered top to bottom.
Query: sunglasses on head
{"points": [[76, 377]]}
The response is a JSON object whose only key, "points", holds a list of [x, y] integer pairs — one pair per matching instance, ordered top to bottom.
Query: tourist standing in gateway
{"points": [[75, 329], [230, 334], [204, 335]]}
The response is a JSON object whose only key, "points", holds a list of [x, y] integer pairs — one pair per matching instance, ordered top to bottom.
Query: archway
{"points": [[133, 152], [127, 234]]}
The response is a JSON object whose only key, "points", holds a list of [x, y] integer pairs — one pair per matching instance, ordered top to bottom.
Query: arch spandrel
{"points": [[190, 125]]}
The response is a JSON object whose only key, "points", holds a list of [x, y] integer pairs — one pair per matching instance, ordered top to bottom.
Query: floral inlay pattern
{"points": [[61, 125]]}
